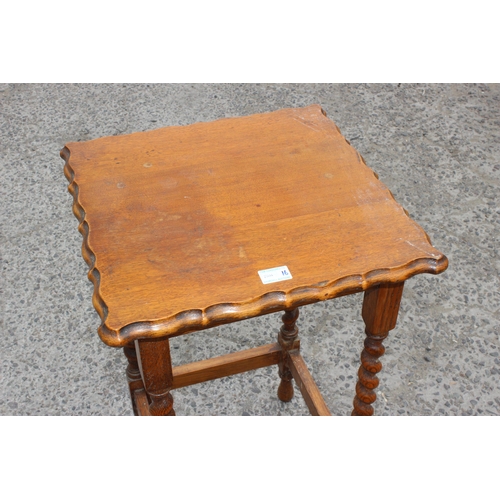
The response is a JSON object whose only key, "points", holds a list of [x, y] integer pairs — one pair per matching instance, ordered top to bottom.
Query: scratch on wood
{"points": [[303, 122], [418, 248]]}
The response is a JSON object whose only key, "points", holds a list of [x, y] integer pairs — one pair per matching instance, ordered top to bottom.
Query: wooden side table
{"points": [[186, 228]]}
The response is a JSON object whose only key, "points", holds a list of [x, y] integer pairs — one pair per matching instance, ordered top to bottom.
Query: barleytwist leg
{"points": [[380, 313], [287, 339], [156, 369], [133, 373], [367, 378]]}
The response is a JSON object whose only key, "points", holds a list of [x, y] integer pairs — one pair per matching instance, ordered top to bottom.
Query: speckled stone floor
{"points": [[437, 147]]}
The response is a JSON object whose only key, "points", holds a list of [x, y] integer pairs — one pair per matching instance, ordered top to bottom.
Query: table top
{"points": [[178, 222]]}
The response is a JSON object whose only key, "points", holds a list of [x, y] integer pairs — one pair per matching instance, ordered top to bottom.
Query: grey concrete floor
{"points": [[437, 147]]}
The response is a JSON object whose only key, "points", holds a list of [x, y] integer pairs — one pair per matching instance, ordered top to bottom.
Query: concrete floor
{"points": [[437, 147]]}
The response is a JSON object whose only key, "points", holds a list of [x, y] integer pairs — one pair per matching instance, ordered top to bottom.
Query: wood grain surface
{"points": [[178, 221]]}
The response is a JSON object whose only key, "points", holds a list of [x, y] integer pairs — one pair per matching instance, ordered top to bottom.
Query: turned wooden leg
{"points": [[380, 313], [287, 339], [154, 362], [133, 373]]}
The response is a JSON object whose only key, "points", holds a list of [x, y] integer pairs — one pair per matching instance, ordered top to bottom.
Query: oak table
{"points": [[189, 227]]}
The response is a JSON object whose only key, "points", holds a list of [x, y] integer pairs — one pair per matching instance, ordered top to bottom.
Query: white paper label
{"points": [[275, 274]]}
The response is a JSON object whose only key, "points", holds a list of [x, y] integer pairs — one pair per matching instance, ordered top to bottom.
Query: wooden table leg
{"points": [[380, 313], [287, 339], [155, 364], [133, 373]]}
